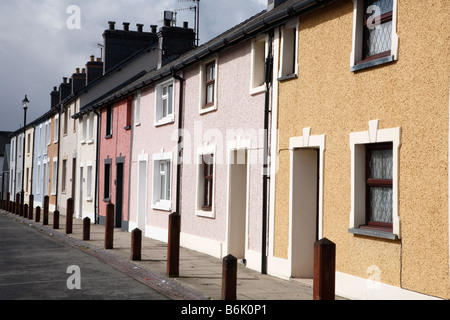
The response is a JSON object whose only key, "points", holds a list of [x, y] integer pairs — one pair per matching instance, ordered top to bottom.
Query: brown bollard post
{"points": [[31, 207], [25, 210], [38, 214], [69, 216], [45, 219], [56, 220], [109, 227], [86, 229], [136, 245], [173, 246], [324, 270], [229, 278]]}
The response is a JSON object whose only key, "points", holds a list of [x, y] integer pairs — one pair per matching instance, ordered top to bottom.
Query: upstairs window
{"points": [[375, 39], [289, 55], [258, 65], [208, 91], [164, 103], [109, 121]]}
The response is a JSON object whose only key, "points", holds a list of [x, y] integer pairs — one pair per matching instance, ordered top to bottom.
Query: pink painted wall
{"points": [[237, 109], [116, 146]]}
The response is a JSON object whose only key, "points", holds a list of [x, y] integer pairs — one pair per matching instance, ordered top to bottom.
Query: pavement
{"points": [[200, 274]]}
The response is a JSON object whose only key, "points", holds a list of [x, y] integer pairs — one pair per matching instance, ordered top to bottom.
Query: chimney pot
{"points": [[185, 24], [111, 25], [126, 26], [140, 27], [153, 28], [92, 58], [99, 59], [77, 70], [83, 71], [65, 80]]}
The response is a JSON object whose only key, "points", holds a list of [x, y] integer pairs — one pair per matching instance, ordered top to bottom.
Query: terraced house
{"points": [[363, 148]]}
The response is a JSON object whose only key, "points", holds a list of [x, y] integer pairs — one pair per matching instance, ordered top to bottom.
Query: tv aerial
{"points": [[195, 7]]}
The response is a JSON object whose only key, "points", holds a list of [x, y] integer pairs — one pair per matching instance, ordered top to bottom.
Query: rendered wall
{"points": [[411, 93]]}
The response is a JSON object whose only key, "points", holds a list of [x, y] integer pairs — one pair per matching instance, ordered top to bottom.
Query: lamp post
{"points": [[25, 104]]}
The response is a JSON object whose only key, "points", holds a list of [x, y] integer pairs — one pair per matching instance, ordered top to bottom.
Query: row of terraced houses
{"points": [[312, 119]]}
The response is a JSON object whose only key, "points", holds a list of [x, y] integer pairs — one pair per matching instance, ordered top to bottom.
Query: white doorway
{"points": [[305, 164], [238, 174], [142, 194]]}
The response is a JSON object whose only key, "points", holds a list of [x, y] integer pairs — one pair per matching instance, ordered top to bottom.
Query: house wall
{"points": [[411, 93], [239, 117], [148, 140], [115, 147], [68, 152], [52, 156]]}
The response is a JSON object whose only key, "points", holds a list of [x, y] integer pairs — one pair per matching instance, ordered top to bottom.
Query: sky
{"points": [[43, 41]]}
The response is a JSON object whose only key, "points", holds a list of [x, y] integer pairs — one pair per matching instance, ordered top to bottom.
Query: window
{"points": [[375, 40], [289, 55], [258, 65], [208, 90], [164, 103], [137, 108], [66, 115], [109, 121], [85, 125], [91, 128], [56, 130], [39, 140], [29, 144], [207, 166], [54, 175], [162, 175], [64, 176], [27, 180], [206, 181], [374, 182], [89, 183], [38, 185], [107, 186], [379, 186]]}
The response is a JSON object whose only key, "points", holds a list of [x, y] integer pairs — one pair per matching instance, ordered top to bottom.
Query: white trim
{"points": [[373, 135], [307, 141], [163, 205], [356, 288]]}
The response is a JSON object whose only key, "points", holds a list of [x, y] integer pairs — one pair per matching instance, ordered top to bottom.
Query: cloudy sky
{"points": [[42, 41]]}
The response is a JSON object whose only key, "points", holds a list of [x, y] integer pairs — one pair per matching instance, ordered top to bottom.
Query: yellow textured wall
{"points": [[411, 93]]}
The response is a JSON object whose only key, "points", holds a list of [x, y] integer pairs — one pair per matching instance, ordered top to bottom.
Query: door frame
{"points": [[307, 141], [118, 220]]}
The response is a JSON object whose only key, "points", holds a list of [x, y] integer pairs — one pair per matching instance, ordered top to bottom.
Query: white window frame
{"points": [[357, 41], [288, 48], [257, 83], [202, 90], [137, 108], [170, 117], [56, 129], [84, 130], [90, 137], [358, 140], [205, 150], [54, 175], [89, 175], [38, 185], [157, 203]]}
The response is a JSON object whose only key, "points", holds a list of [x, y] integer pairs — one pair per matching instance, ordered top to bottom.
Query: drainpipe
{"points": [[268, 73], [180, 139], [57, 164], [96, 218]]}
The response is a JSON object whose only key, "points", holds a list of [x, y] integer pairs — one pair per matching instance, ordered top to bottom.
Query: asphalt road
{"points": [[34, 266]]}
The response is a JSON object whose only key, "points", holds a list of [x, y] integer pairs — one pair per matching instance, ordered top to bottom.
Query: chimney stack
{"points": [[274, 3], [94, 70], [78, 80], [65, 89], [54, 97]]}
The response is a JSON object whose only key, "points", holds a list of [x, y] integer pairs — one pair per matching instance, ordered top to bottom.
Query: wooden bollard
{"points": [[31, 207], [25, 210], [38, 214], [69, 216], [45, 218], [56, 220], [109, 227], [86, 229], [136, 245], [173, 246], [324, 270], [229, 278]]}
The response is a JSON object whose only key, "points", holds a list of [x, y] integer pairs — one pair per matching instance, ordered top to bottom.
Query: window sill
{"points": [[373, 63], [288, 77], [257, 90], [207, 109], [164, 121], [127, 128], [108, 136], [90, 141], [89, 199], [107, 200], [162, 206], [205, 214], [373, 233]]}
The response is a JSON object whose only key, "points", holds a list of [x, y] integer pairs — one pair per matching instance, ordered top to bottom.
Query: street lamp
{"points": [[25, 104]]}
